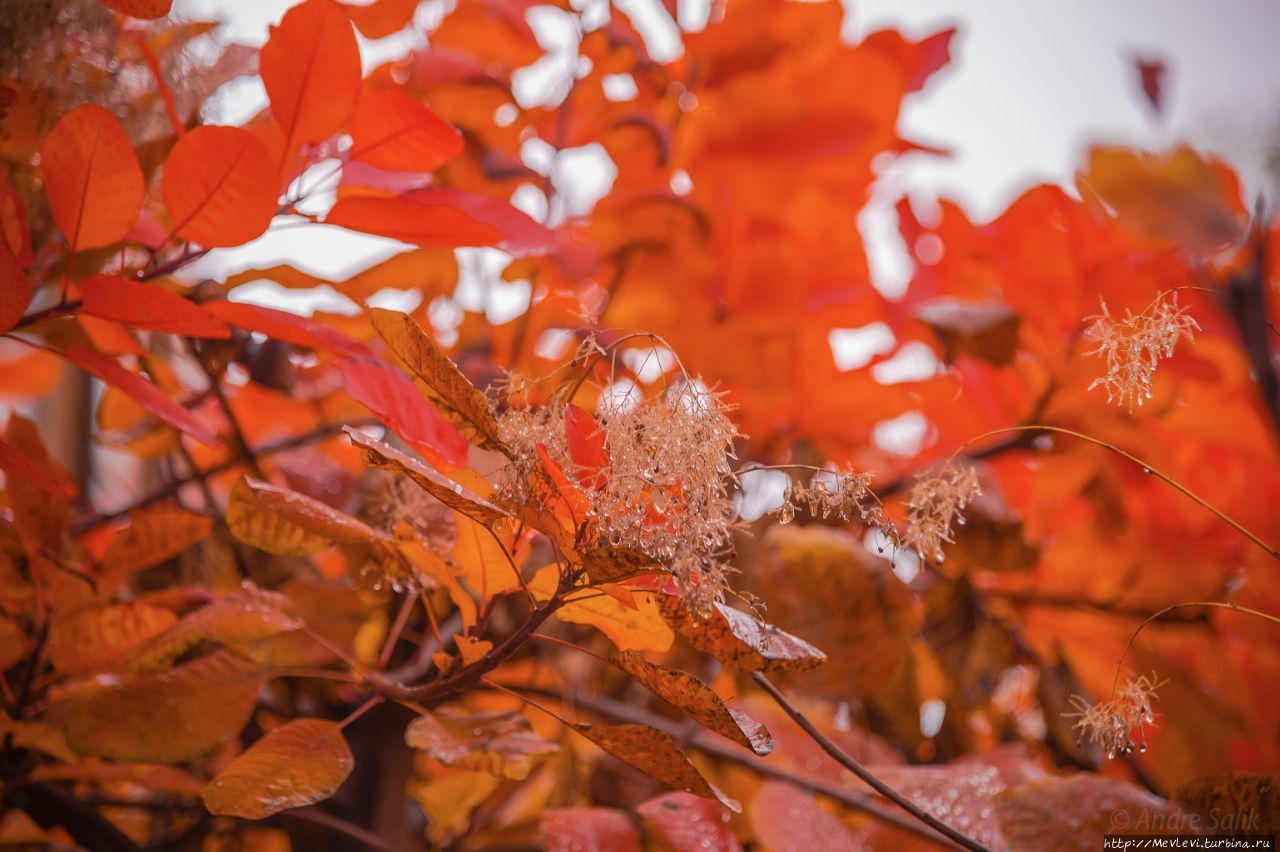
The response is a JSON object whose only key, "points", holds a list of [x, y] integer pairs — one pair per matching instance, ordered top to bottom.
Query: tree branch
{"points": [[844, 759]]}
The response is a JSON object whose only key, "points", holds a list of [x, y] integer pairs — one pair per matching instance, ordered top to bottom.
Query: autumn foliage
{"points": [[640, 564]]}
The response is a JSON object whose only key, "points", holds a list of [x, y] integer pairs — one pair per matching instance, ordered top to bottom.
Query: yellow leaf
{"points": [[287, 523], [483, 560], [434, 568], [641, 628], [472, 649], [299, 763], [448, 802]]}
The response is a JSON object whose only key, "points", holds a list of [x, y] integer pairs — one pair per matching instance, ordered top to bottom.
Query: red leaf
{"points": [[140, 8], [310, 67], [392, 131], [91, 177], [219, 186], [411, 222], [519, 233], [15, 290], [139, 305], [291, 328], [142, 392], [390, 395], [586, 446], [14, 463], [685, 821], [588, 830]]}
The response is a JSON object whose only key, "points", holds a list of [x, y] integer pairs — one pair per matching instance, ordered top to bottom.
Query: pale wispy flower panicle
{"points": [[1133, 347], [667, 490], [846, 495], [391, 500], [935, 506], [1111, 724]]}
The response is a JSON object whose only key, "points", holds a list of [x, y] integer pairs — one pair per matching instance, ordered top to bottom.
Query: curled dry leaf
{"points": [[448, 388], [377, 454], [155, 534], [741, 641], [697, 700], [169, 716], [502, 744], [653, 752], [300, 763]]}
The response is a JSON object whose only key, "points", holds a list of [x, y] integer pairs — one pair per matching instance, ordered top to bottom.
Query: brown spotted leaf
{"points": [[448, 388], [382, 456], [154, 535], [613, 565], [92, 637], [741, 641], [697, 700], [169, 716], [501, 744], [654, 753], [297, 764]]}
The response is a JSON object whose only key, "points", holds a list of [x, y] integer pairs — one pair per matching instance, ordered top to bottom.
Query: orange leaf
{"points": [[381, 18], [310, 67], [392, 131], [91, 177], [219, 186], [410, 222], [139, 305], [141, 391], [154, 535], [91, 638], [741, 641], [501, 743], [299, 763]]}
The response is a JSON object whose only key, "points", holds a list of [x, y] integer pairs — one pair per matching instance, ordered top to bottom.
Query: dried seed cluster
{"points": [[1132, 347], [666, 490], [851, 498], [390, 500], [936, 504], [1110, 724]]}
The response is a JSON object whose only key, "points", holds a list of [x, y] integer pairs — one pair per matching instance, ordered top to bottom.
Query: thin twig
{"points": [[844, 759]]}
